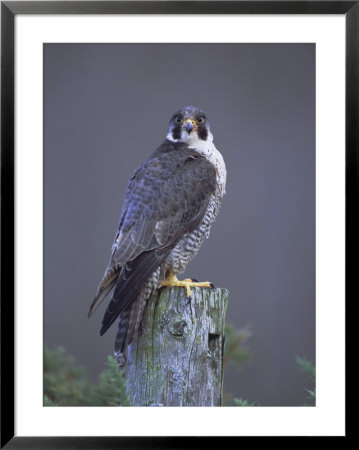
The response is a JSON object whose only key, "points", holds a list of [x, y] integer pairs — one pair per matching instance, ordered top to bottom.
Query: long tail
{"points": [[129, 321]]}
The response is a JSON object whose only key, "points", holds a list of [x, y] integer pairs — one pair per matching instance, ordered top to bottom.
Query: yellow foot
{"points": [[172, 281]]}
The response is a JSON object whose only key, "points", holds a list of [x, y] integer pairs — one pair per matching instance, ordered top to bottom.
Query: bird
{"points": [[171, 201]]}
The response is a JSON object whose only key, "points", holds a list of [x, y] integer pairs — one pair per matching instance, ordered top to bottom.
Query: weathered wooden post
{"points": [[176, 358]]}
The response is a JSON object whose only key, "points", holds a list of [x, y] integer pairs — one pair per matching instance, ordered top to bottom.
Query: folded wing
{"points": [[166, 198]]}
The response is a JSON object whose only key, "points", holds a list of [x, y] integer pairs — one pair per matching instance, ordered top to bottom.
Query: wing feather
{"points": [[166, 198]]}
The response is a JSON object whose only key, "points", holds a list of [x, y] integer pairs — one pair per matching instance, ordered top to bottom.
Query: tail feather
{"points": [[129, 321]]}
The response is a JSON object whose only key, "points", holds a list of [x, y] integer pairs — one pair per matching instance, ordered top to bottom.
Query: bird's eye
{"points": [[178, 120], [200, 120]]}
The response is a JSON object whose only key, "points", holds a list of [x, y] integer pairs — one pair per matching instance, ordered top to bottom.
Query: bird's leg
{"points": [[172, 281]]}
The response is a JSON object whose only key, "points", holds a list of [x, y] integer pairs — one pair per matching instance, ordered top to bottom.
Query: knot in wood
{"points": [[178, 326]]}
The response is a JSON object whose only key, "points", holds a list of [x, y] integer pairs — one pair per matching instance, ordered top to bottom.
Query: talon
{"points": [[172, 281]]}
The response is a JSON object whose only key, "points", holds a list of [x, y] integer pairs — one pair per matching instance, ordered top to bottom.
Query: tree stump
{"points": [[176, 358]]}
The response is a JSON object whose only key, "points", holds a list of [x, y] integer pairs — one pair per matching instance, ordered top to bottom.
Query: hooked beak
{"points": [[189, 126]]}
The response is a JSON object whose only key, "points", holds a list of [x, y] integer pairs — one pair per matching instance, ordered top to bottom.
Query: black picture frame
{"points": [[9, 9]]}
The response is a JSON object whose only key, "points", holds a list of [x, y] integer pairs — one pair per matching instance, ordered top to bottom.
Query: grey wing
{"points": [[166, 198]]}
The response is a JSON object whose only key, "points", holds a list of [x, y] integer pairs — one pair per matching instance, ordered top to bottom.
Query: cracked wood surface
{"points": [[176, 359]]}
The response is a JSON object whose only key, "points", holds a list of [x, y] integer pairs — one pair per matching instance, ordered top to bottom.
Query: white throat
{"points": [[190, 139]]}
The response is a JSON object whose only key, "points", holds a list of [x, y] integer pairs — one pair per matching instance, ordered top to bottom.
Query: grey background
{"points": [[106, 108]]}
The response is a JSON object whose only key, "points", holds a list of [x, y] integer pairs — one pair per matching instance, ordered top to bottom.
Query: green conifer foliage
{"points": [[65, 383]]}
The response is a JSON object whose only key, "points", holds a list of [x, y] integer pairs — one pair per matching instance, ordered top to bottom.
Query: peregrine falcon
{"points": [[171, 202]]}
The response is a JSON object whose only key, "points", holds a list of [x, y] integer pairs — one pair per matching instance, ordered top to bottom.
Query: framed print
{"points": [[89, 90]]}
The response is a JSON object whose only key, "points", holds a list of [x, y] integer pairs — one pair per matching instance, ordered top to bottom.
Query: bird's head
{"points": [[189, 125]]}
